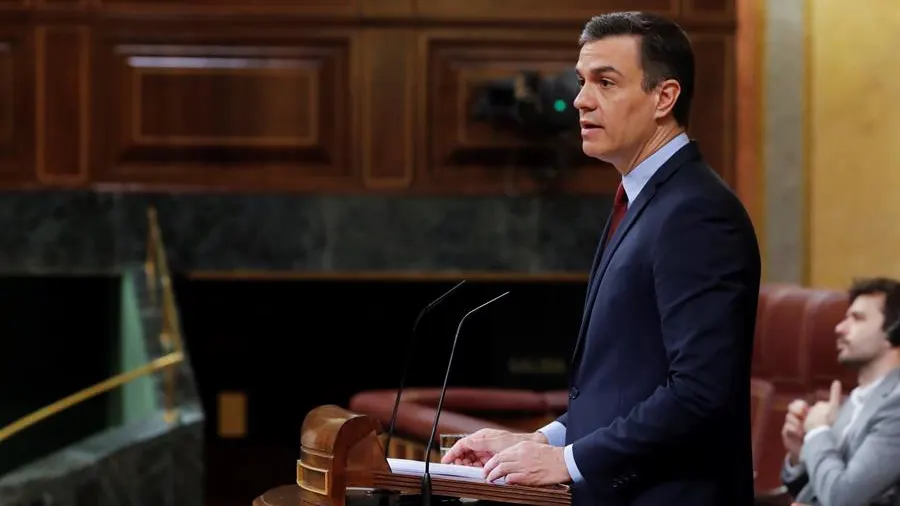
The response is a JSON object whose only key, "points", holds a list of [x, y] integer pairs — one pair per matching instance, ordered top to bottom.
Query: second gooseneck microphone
{"points": [[426, 477]]}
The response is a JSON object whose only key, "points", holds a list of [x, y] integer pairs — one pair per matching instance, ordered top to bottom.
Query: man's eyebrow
{"points": [[603, 69], [597, 71]]}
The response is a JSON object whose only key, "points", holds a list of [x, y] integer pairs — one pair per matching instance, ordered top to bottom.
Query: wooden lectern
{"points": [[342, 462]]}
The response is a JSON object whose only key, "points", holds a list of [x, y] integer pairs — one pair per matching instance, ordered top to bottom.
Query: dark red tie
{"points": [[620, 205]]}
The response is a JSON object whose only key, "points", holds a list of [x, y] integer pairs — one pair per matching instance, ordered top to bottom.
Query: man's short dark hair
{"points": [[666, 51], [888, 287]]}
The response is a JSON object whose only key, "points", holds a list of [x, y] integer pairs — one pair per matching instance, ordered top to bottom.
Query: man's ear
{"points": [[667, 95]]}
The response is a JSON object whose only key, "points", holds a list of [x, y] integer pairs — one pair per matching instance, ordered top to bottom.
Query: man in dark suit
{"points": [[659, 410]]}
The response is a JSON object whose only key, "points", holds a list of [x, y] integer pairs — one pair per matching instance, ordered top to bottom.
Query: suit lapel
{"points": [[634, 210], [605, 253], [593, 280], [593, 286], [871, 405], [844, 416]]}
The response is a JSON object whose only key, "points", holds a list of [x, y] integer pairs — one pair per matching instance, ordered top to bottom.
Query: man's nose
{"points": [[581, 100], [840, 328]]}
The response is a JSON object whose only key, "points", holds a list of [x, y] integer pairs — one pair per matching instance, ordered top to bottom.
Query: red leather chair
{"points": [[795, 351], [762, 394]]}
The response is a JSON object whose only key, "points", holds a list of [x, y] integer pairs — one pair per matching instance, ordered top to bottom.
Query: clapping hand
{"points": [[824, 413], [792, 431]]}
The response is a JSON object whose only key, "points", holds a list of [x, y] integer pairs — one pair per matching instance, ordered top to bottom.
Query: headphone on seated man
{"points": [[893, 332]]}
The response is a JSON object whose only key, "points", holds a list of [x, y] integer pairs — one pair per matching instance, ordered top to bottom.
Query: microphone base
{"points": [[426, 489]]}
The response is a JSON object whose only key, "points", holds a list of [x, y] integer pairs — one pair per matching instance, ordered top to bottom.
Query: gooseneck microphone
{"points": [[409, 349], [426, 477]]}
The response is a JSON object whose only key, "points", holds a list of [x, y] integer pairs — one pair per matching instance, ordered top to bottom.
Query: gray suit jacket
{"points": [[864, 468]]}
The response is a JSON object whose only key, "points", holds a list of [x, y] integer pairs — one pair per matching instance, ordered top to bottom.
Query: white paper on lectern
{"points": [[417, 467]]}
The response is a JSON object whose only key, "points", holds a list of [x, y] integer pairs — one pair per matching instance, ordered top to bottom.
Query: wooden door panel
{"points": [[337, 8], [560, 10], [16, 106], [252, 114]]}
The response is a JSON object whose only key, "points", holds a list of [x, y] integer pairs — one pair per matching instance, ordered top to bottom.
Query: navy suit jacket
{"points": [[659, 409]]}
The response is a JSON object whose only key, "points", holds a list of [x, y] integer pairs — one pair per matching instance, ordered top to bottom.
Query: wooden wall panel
{"points": [[13, 4], [61, 4], [339, 8], [387, 9], [558, 10], [709, 10], [388, 76], [62, 88], [310, 95], [7, 103], [228, 113], [16, 118], [713, 121]]}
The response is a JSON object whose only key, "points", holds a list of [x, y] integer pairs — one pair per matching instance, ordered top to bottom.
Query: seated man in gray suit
{"points": [[850, 454]]}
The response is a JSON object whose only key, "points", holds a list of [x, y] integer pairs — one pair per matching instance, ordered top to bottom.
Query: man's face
{"points": [[617, 115], [860, 335]]}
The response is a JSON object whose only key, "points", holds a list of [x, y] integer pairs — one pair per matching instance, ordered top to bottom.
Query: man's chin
{"points": [[594, 150], [849, 361]]}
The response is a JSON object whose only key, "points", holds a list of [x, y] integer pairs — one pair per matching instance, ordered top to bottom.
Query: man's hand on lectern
{"points": [[477, 449], [529, 463]]}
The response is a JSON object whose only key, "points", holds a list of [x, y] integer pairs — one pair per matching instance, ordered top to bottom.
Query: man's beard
{"points": [[855, 362]]}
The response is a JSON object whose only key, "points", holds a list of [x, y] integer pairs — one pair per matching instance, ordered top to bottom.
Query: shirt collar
{"points": [[634, 181], [860, 393]]}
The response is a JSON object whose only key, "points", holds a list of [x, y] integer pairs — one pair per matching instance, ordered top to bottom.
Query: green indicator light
{"points": [[559, 105]]}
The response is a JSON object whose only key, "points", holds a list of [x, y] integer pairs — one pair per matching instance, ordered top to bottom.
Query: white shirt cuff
{"points": [[555, 432], [574, 473]]}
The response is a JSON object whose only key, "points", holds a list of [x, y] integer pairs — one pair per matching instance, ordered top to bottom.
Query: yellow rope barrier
{"points": [[91, 391]]}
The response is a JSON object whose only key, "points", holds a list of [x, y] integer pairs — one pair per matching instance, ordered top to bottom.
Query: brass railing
{"points": [[159, 283]]}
